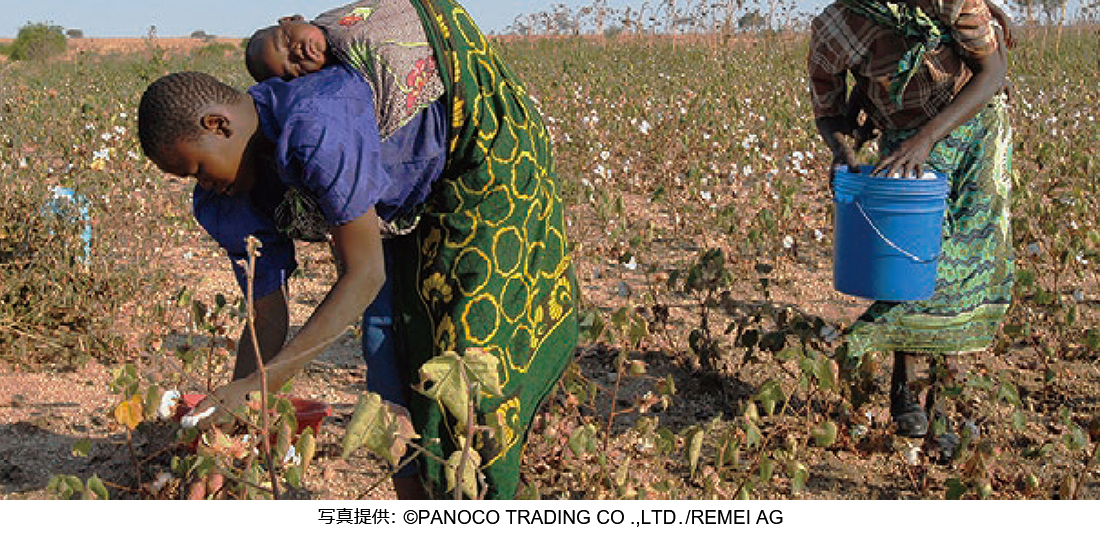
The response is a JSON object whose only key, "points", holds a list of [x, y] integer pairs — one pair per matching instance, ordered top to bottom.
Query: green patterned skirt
{"points": [[488, 265], [975, 274]]}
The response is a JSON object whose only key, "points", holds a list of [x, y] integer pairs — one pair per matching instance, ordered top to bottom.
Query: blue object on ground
{"points": [[73, 208]]}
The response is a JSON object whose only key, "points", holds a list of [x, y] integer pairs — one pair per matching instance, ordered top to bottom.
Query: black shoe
{"points": [[910, 418], [943, 448]]}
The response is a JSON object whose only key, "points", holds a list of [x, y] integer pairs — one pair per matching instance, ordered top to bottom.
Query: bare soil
{"points": [[44, 412]]}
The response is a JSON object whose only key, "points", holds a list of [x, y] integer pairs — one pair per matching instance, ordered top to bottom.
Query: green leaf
{"points": [[1025, 278], [183, 298], [619, 317], [592, 326], [639, 330], [749, 338], [1092, 339], [697, 341], [773, 342], [789, 353], [826, 373], [450, 379], [981, 382], [1008, 393], [769, 394], [152, 400], [287, 413], [751, 413], [1019, 421], [645, 426], [380, 427], [825, 435], [753, 437], [283, 439], [694, 439], [1076, 439], [583, 440], [666, 441], [81, 447], [307, 447], [728, 449], [470, 467], [767, 469], [622, 472], [798, 473], [293, 476], [69, 486], [95, 489], [955, 489]]}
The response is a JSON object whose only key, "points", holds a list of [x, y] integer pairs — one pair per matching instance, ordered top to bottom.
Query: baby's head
{"points": [[290, 49], [194, 126]]}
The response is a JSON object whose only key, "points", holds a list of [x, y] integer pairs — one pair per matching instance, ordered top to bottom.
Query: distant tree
{"points": [[1053, 10], [752, 20], [74, 34], [199, 34], [38, 41]]}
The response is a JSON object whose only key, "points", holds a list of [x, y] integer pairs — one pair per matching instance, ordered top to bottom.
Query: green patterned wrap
{"points": [[911, 23], [488, 266], [975, 274]]}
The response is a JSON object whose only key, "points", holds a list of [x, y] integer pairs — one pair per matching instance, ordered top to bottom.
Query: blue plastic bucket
{"points": [[886, 234]]}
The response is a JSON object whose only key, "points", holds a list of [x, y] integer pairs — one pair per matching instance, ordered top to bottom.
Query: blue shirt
{"points": [[326, 145]]}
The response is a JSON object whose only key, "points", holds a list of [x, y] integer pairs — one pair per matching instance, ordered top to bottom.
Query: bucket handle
{"points": [[908, 254]]}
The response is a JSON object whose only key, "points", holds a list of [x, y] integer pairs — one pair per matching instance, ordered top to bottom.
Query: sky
{"points": [[230, 18], [239, 18]]}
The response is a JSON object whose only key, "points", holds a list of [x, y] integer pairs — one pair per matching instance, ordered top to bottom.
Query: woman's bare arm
{"points": [[988, 78], [359, 244]]}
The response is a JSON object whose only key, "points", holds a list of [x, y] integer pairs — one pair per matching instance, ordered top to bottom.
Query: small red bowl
{"points": [[308, 413]]}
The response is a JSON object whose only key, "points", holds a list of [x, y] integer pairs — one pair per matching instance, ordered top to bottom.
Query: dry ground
{"points": [[42, 414]]}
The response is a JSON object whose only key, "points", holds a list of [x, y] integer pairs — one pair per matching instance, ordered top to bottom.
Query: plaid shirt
{"points": [[842, 42]]}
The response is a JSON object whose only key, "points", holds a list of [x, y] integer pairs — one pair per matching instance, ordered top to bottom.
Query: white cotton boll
{"points": [[168, 403], [191, 421], [912, 455], [292, 457], [162, 480]]}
